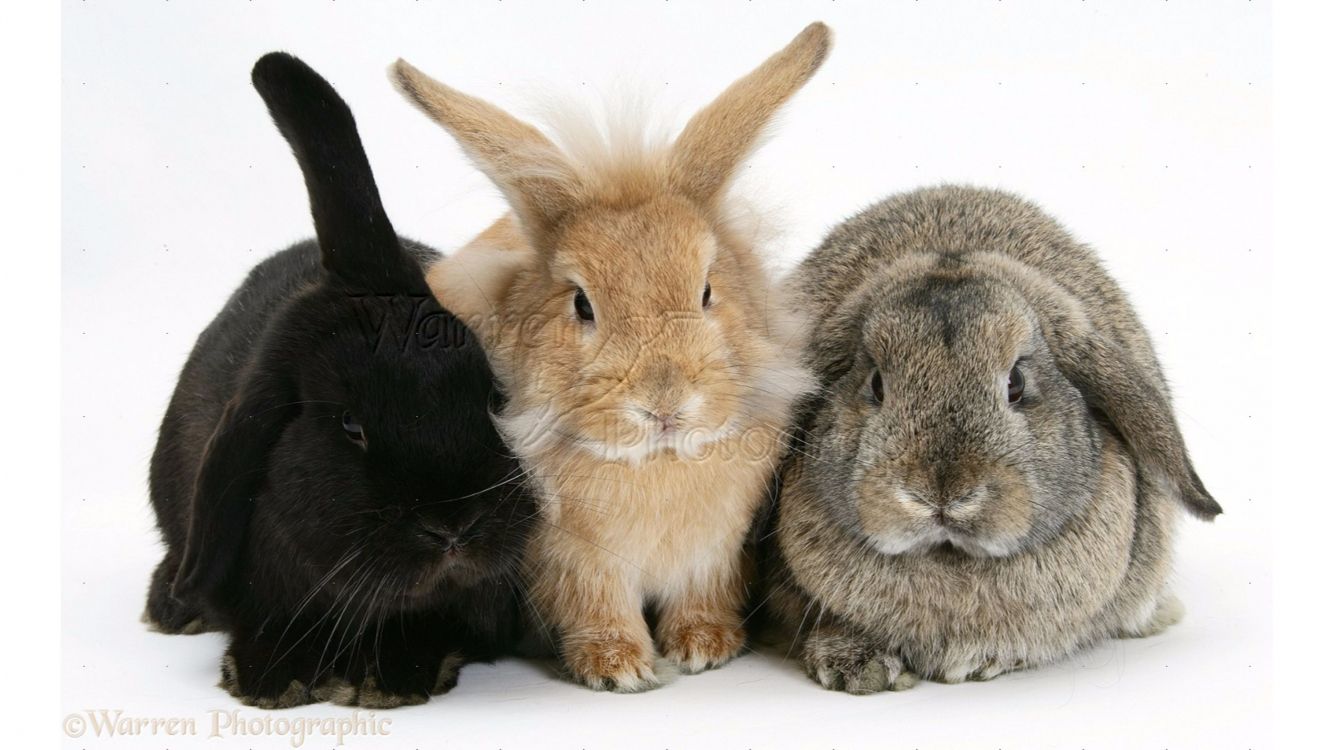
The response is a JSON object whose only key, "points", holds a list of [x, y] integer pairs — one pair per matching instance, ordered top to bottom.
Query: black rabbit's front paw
{"points": [[849, 664], [262, 671], [385, 684], [272, 688]]}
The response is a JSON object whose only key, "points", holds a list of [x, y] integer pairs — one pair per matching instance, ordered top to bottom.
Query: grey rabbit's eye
{"points": [[708, 293], [582, 307], [1015, 385], [876, 387], [353, 429]]}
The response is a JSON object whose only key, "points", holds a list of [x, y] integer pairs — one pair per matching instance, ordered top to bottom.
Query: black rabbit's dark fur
{"points": [[359, 571]]}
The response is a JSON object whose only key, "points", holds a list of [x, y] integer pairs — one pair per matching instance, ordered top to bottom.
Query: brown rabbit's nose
{"points": [[665, 395], [664, 419]]}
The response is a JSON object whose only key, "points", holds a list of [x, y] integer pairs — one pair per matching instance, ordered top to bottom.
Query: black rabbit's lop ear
{"points": [[357, 241], [1136, 403], [233, 467]]}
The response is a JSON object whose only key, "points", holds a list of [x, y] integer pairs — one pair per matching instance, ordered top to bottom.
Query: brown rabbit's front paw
{"points": [[697, 646], [611, 662], [840, 662]]}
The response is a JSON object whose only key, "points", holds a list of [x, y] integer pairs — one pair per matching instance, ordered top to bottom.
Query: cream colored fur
{"points": [[653, 430]]}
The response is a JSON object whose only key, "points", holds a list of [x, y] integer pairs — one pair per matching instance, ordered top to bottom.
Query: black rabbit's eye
{"points": [[708, 293], [582, 306], [1015, 385], [877, 387], [353, 429]]}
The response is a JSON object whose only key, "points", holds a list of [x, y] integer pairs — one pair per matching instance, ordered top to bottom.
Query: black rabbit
{"points": [[327, 479]]}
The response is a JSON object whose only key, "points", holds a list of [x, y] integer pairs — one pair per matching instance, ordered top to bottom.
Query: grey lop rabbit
{"points": [[990, 476]]}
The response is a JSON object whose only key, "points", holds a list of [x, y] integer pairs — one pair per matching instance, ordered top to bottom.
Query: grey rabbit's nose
{"points": [[961, 499], [941, 503]]}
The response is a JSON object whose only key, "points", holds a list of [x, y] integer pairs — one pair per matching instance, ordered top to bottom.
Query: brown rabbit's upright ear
{"points": [[720, 137], [529, 169], [1137, 405], [233, 467]]}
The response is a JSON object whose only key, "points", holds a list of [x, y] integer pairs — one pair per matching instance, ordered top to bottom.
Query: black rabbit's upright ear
{"points": [[355, 237], [1114, 384], [233, 467]]}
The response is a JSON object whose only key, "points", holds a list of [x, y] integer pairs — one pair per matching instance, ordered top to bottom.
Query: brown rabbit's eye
{"points": [[708, 293], [582, 307], [1015, 385], [877, 387], [353, 429]]}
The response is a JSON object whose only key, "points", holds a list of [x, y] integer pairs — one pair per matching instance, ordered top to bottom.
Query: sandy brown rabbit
{"points": [[650, 366], [991, 473]]}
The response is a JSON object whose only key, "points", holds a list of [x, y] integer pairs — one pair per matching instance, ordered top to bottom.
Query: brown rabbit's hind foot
{"points": [[848, 664]]}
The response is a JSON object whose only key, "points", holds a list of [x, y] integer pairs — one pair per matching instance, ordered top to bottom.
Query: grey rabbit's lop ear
{"points": [[1137, 405], [233, 467]]}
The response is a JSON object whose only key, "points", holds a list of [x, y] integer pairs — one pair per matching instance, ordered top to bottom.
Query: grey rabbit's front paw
{"points": [[853, 665], [980, 669]]}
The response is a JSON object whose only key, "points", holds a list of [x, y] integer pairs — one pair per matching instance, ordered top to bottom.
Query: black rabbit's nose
{"points": [[445, 538]]}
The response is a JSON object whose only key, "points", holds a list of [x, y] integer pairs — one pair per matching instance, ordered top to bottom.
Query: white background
{"points": [[1143, 126]]}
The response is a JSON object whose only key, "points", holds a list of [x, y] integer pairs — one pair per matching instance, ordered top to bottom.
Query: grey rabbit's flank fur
{"points": [[930, 523]]}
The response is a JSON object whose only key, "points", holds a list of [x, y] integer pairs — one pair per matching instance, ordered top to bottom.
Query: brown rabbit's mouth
{"points": [[622, 434], [643, 442]]}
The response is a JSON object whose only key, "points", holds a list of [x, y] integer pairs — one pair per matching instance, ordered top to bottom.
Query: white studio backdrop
{"points": [[1143, 125]]}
